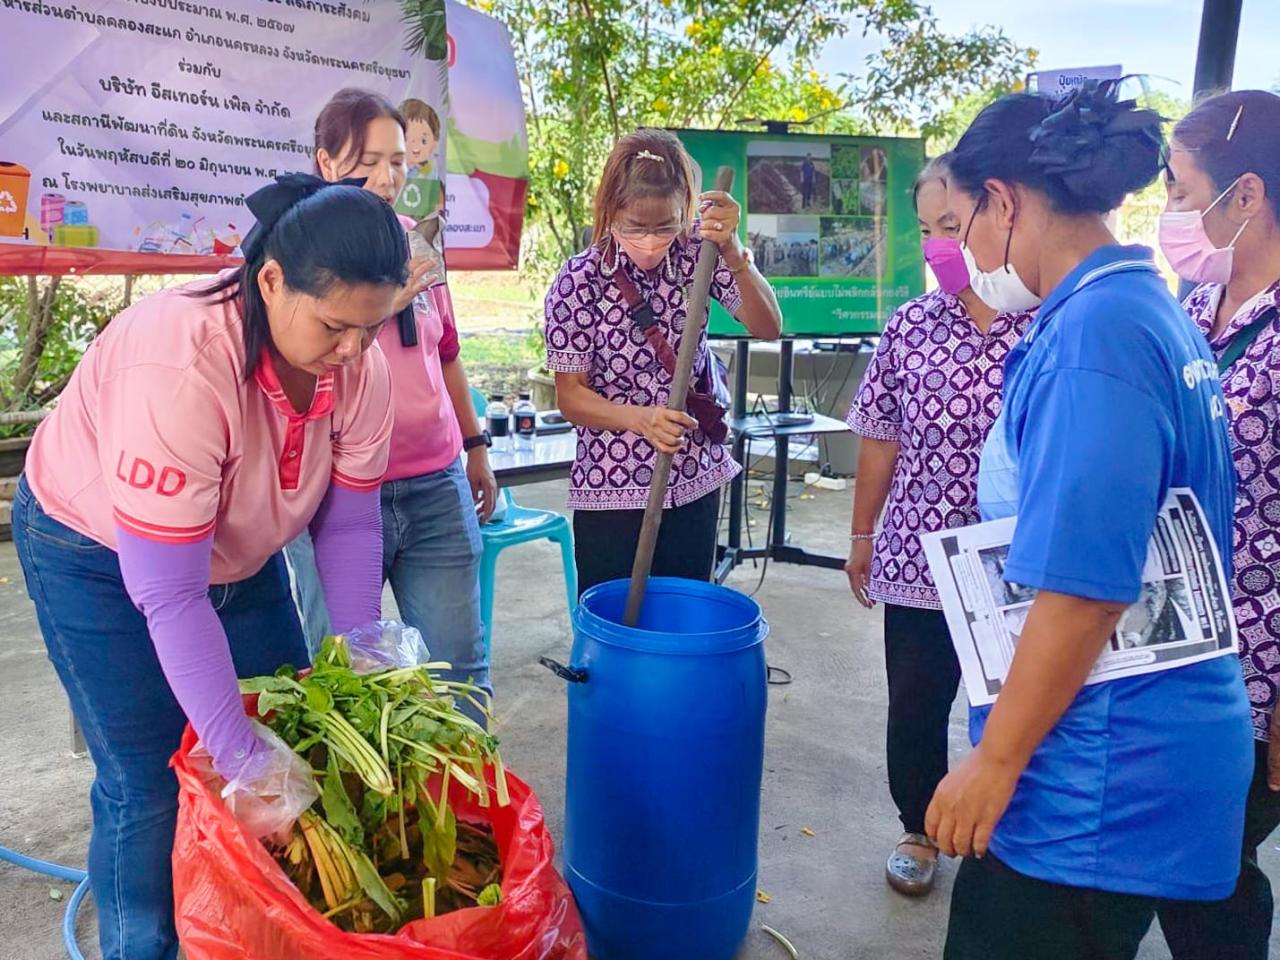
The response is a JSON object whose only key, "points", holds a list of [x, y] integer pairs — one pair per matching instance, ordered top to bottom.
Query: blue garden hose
{"points": [[58, 872], [69, 920]]}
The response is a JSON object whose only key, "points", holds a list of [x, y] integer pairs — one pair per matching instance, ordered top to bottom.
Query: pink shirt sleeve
{"points": [[442, 300], [362, 426], [162, 441]]}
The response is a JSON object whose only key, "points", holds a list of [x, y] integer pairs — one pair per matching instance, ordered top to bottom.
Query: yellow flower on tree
{"points": [[694, 30], [661, 105], [798, 114], [560, 170]]}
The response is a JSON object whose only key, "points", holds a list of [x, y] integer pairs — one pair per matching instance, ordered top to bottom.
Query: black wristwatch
{"points": [[481, 439]]}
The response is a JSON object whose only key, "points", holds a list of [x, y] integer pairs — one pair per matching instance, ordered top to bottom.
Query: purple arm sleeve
{"points": [[347, 534], [169, 583]]}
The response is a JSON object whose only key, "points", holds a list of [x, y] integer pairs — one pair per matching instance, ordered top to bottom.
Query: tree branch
{"points": [[604, 70], [746, 81], [535, 114], [36, 335]]}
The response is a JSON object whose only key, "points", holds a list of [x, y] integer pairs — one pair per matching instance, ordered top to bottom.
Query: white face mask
{"points": [[1002, 290]]}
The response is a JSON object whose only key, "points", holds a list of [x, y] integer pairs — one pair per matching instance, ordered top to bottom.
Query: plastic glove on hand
{"points": [[272, 788]]}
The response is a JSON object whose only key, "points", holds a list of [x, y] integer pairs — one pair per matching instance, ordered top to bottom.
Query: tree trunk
{"points": [[35, 333]]}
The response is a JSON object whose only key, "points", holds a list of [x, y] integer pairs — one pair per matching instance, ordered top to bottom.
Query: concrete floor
{"points": [[824, 766]]}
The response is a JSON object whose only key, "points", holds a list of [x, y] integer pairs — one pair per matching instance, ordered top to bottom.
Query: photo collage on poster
{"points": [[817, 209]]}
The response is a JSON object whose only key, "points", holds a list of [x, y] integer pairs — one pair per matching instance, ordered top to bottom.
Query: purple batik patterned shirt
{"points": [[589, 330], [935, 387], [1252, 388]]}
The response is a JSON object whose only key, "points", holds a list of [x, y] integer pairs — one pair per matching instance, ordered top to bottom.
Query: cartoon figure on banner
{"points": [[423, 195]]}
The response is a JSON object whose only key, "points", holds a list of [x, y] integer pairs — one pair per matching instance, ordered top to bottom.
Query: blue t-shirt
{"points": [[1111, 398]]}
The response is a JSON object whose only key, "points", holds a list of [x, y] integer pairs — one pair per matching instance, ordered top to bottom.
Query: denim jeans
{"points": [[431, 550], [99, 645]]}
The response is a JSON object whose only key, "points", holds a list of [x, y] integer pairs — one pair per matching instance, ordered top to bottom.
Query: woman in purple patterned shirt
{"points": [[1221, 230], [614, 318], [925, 406]]}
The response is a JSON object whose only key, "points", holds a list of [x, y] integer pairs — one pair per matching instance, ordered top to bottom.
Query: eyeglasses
{"points": [[633, 232]]}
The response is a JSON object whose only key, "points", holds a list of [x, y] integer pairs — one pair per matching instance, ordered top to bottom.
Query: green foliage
{"points": [[425, 30], [596, 69], [1141, 211], [44, 330], [503, 350], [381, 736]]}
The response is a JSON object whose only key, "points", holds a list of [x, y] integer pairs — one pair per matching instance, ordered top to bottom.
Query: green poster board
{"points": [[829, 220]]}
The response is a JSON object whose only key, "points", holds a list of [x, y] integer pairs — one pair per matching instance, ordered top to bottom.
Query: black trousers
{"points": [[604, 542], [924, 676], [1000, 914], [1238, 928]]}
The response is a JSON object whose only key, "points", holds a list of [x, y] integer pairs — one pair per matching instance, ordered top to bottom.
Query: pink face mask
{"points": [[1189, 250], [645, 252], [946, 260]]}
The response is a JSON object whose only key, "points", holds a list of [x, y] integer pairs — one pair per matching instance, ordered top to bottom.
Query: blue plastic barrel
{"points": [[666, 749]]}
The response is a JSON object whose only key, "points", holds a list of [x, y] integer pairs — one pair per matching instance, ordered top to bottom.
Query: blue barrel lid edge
{"points": [[752, 629]]}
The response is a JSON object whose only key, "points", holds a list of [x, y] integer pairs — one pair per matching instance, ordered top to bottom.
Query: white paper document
{"points": [[1183, 616]]}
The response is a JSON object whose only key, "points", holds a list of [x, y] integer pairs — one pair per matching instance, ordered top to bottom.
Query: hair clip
{"points": [[1235, 123], [646, 155]]}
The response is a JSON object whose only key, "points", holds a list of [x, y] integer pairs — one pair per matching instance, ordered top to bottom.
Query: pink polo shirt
{"points": [[159, 432], [426, 437]]}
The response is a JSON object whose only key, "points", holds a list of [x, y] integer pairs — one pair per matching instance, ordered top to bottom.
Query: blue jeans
{"points": [[431, 550], [99, 645]]}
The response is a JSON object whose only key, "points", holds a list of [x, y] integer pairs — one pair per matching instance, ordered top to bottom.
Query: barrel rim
{"points": [[729, 640]]}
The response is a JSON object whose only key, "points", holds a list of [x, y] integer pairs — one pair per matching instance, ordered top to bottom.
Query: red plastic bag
{"points": [[232, 902]]}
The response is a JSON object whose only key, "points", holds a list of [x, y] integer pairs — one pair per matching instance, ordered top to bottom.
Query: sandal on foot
{"points": [[909, 874]]}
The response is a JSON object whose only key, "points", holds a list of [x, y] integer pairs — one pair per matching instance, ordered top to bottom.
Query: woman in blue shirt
{"points": [[1081, 807]]}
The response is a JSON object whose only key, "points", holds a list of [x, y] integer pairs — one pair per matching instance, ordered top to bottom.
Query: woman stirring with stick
{"points": [[614, 317]]}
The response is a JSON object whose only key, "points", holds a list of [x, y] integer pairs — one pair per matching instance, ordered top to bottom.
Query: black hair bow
{"points": [[1068, 140], [270, 202]]}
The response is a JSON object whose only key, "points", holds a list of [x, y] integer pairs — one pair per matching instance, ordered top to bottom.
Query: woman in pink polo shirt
{"points": [[203, 430], [431, 531]]}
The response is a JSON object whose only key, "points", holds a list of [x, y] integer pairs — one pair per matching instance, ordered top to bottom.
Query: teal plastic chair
{"points": [[520, 525]]}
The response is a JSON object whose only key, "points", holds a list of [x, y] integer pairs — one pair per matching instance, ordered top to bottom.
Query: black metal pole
{"points": [[1216, 54], [1215, 61], [781, 449], [737, 489]]}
